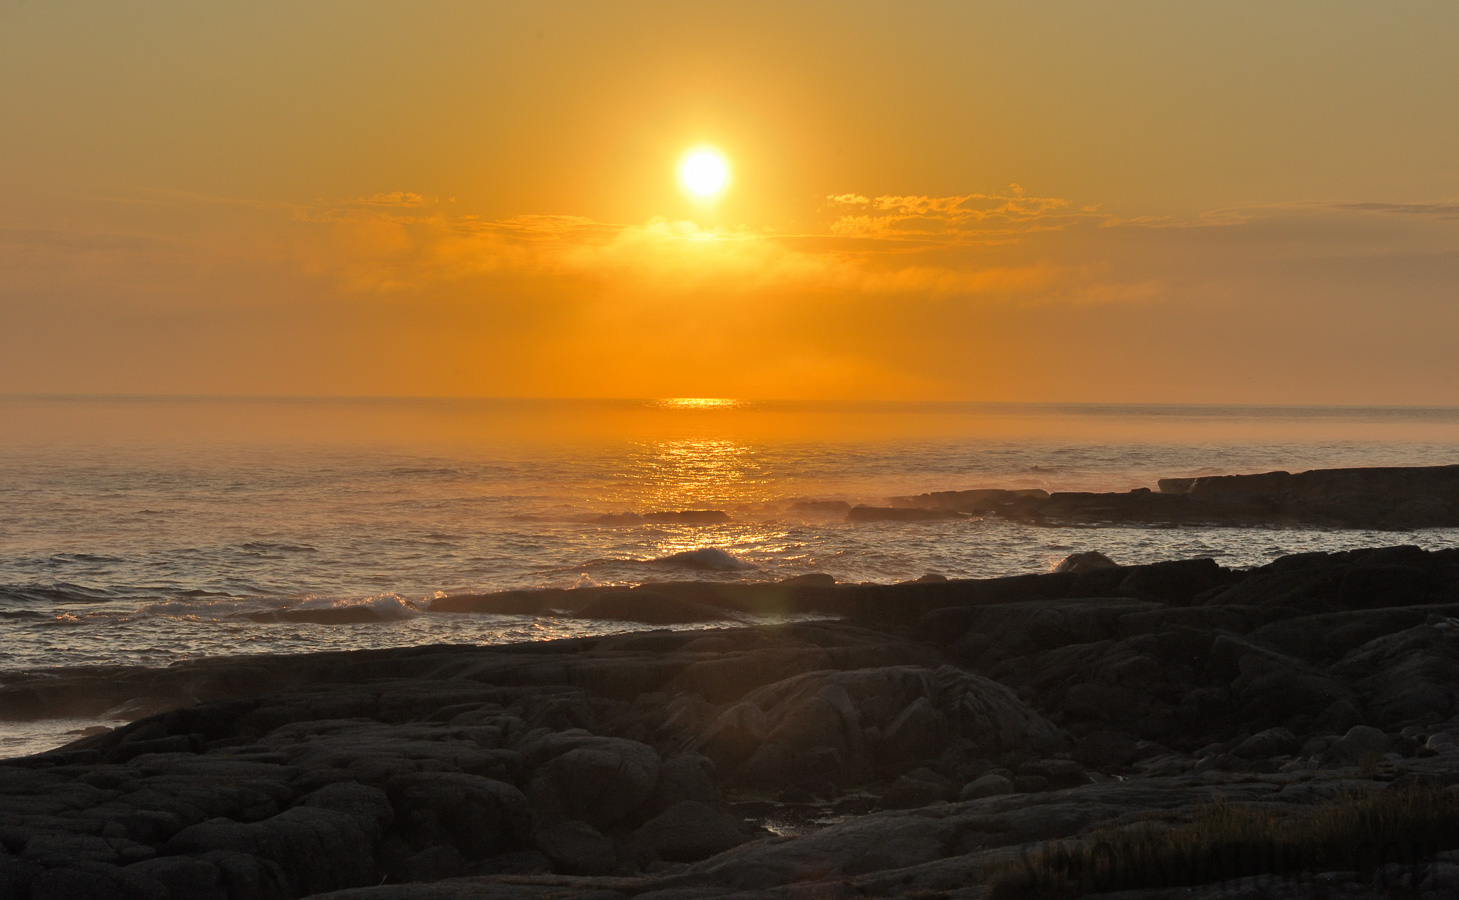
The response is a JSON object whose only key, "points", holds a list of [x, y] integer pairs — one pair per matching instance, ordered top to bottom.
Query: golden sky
{"points": [[1175, 202]]}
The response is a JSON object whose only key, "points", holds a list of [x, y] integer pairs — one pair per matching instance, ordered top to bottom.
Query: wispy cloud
{"points": [[392, 198], [1434, 210], [996, 216]]}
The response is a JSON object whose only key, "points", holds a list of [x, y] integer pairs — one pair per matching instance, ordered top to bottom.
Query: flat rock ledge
{"points": [[1392, 498], [939, 734]]}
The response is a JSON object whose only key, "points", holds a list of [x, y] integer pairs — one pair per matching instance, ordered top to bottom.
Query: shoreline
{"points": [[1384, 498], [933, 730]]}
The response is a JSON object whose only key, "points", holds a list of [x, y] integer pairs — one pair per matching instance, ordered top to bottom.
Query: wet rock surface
{"points": [[908, 749]]}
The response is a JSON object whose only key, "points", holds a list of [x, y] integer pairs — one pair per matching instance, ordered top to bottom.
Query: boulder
{"points": [[900, 514], [1087, 561], [649, 607], [918, 732], [732, 737], [1268, 743], [1360, 744], [1107, 749], [1058, 773], [685, 776], [601, 783], [990, 785], [920, 788], [368, 806], [478, 816], [689, 831], [577, 848], [318, 849], [184, 876]]}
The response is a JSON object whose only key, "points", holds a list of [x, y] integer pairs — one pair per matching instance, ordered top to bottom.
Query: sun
{"points": [[704, 173]]}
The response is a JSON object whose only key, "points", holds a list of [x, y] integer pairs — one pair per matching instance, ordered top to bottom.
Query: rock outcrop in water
{"points": [[1376, 498], [941, 737]]}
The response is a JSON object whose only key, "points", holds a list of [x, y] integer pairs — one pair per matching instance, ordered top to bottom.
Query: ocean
{"points": [[148, 531]]}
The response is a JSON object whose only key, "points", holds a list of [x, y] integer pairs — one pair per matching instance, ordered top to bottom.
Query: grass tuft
{"points": [[1357, 832]]}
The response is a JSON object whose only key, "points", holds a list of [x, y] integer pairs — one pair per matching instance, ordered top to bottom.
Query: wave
{"points": [[426, 472], [665, 516], [274, 547], [83, 558], [705, 559], [57, 592], [381, 608], [310, 610], [23, 614]]}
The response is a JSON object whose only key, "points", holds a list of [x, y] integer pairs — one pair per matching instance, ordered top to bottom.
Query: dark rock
{"points": [[979, 502], [826, 507], [899, 514], [1087, 561], [810, 580], [1176, 581], [645, 606], [918, 732], [736, 734], [1268, 743], [1360, 744], [1104, 749], [317, 772], [1059, 773], [685, 776], [601, 783], [990, 785], [911, 791], [368, 806], [478, 816], [689, 831], [577, 848], [319, 849], [431, 864], [184, 876]]}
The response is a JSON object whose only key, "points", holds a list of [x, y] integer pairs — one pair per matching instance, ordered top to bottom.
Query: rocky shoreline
{"points": [[1377, 498], [936, 739]]}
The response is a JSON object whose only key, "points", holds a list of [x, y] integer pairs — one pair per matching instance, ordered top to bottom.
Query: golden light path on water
{"points": [[710, 473], [700, 474]]}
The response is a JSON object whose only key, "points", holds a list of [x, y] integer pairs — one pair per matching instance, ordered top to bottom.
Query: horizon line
{"points": [[724, 403]]}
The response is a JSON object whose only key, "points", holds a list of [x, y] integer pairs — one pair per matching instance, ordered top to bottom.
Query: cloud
{"points": [[393, 198], [1435, 210], [958, 217], [927, 246]]}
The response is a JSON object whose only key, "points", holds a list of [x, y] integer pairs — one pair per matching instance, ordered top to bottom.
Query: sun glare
{"points": [[704, 173]]}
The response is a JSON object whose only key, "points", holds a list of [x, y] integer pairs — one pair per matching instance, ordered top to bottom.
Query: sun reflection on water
{"points": [[700, 403], [696, 474]]}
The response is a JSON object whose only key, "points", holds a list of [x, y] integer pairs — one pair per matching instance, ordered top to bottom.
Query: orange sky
{"points": [[1238, 202]]}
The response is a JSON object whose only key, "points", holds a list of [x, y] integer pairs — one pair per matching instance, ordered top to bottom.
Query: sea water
{"points": [[153, 530]]}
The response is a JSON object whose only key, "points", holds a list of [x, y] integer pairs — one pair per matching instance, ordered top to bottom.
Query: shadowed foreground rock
{"points": [[909, 749]]}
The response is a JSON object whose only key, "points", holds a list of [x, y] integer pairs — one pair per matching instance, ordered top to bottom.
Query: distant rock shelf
{"points": [[1390, 498]]}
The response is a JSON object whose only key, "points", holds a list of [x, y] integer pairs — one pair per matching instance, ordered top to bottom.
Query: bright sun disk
{"points": [[704, 173]]}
